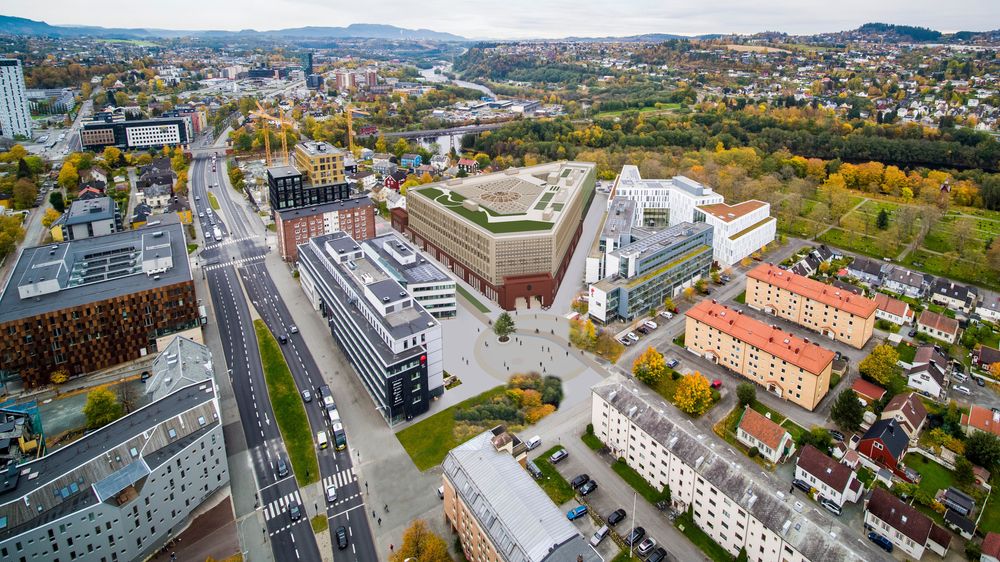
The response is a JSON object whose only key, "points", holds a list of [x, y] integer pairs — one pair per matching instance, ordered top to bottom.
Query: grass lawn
{"points": [[659, 107], [213, 201], [481, 217], [856, 242], [192, 248], [961, 270], [741, 298], [473, 300], [906, 352], [834, 380], [289, 412], [794, 429], [428, 441], [592, 441], [934, 476], [552, 482], [638, 483], [990, 520], [320, 523], [685, 524]]}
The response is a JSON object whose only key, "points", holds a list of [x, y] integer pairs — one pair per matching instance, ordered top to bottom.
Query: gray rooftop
{"points": [[314, 148], [283, 171], [342, 205], [90, 210], [621, 216], [664, 238], [402, 262], [68, 274], [182, 362]]}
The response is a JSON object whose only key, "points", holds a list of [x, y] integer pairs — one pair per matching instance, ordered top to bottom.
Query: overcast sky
{"points": [[521, 18]]}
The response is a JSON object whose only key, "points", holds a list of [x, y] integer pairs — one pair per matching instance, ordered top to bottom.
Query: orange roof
{"points": [[729, 213], [812, 289], [892, 306], [939, 322], [770, 339], [867, 389], [982, 419], [765, 430]]}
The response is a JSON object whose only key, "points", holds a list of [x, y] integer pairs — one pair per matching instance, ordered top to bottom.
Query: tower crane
{"points": [[261, 113]]}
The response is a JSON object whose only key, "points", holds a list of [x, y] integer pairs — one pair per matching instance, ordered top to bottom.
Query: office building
{"points": [[309, 63], [314, 81], [51, 100], [15, 114], [140, 133], [320, 163], [288, 188], [356, 217], [87, 218], [739, 230], [615, 233], [510, 234], [654, 266], [429, 285], [90, 304], [835, 313], [393, 344], [787, 366], [123, 491], [488, 496], [732, 500]]}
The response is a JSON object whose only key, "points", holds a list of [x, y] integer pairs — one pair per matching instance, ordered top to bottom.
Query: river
{"points": [[444, 144]]}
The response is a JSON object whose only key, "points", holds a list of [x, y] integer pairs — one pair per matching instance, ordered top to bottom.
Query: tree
{"points": [[380, 145], [401, 147], [111, 155], [69, 178], [25, 192], [57, 201], [50, 216], [882, 222], [11, 232], [668, 303], [503, 327], [880, 365], [650, 366], [995, 370], [59, 376], [747, 393], [693, 395], [126, 396], [101, 408], [847, 410], [817, 437], [983, 449], [964, 476], [419, 543]]}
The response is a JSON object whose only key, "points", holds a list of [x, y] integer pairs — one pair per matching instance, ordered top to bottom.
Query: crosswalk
{"points": [[228, 242], [230, 263], [340, 479], [280, 505]]}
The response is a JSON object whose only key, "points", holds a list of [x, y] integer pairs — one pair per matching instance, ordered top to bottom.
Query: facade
{"points": [[15, 114], [140, 133], [411, 161], [320, 163], [382, 163], [287, 189], [89, 218], [296, 226], [739, 230], [615, 233], [510, 234], [867, 270], [642, 273], [905, 282], [430, 286], [90, 304], [988, 309], [892, 310], [837, 314], [938, 326], [393, 344], [787, 366], [928, 379], [909, 411], [772, 441], [883, 446], [833, 480], [123, 491], [487, 494], [735, 503], [901, 523]]}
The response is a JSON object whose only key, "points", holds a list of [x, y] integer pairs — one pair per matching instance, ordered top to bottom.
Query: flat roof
{"points": [[319, 148], [283, 171], [342, 205], [84, 211], [729, 213], [621, 216], [665, 238], [390, 247], [815, 290], [785, 346]]}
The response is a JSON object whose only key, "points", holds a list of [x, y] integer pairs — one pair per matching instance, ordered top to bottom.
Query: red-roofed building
{"points": [[468, 165], [894, 310], [837, 314], [938, 326], [867, 391], [981, 419], [773, 441], [991, 548]]}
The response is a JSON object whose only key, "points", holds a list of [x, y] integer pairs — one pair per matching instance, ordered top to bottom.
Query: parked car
{"points": [[667, 314], [650, 324], [643, 330], [912, 333], [632, 336], [625, 341], [672, 362], [980, 381], [717, 384], [964, 390], [307, 396], [836, 434], [533, 442], [558, 456], [580, 480], [802, 485], [588, 488], [831, 506], [577, 512], [616, 517], [599, 536], [635, 536], [341, 537], [881, 541], [646, 546], [658, 555]]}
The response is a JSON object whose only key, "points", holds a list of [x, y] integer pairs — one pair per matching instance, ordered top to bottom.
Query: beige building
{"points": [[320, 162], [510, 234], [837, 314], [787, 366]]}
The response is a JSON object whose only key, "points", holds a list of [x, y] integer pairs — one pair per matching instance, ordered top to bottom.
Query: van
{"points": [[964, 390], [334, 416], [339, 437], [321, 440], [534, 442], [533, 470], [599, 536]]}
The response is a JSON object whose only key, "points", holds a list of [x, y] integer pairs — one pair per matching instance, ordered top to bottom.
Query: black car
{"points": [[912, 333], [980, 381], [836, 434], [579, 481], [802, 485], [587, 488], [616, 517], [635, 536], [341, 538], [657, 555]]}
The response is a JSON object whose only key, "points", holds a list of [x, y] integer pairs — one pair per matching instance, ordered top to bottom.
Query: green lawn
{"points": [[213, 201], [481, 217], [856, 242], [192, 248], [961, 270], [741, 298], [472, 300], [906, 352], [289, 412], [794, 429], [428, 441], [592, 441], [934, 476], [552, 482], [638, 483], [990, 520], [320, 523], [685, 523]]}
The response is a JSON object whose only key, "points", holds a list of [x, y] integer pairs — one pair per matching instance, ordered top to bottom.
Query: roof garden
{"points": [[454, 202]]}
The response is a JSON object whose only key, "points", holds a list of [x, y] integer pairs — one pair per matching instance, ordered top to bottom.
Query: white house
{"points": [[905, 282], [989, 309], [894, 310], [938, 326], [928, 379], [772, 440], [834, 481], [908, 529]]}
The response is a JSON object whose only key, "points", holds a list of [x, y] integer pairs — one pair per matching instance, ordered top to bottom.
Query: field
{"points": [[658, 108]]}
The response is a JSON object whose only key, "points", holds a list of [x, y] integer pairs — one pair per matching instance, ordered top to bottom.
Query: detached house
{"points": [[411, 161], [382, 163], [468, 166], [394, 180], [905, 282], [954, 296], [989, 308], [894, 310], [938, 326], [985, 356], [929, 379], [867, 392], [909, 411], [981, 419], [773, 441], [883, 446], [835, 481], [908, 529]]}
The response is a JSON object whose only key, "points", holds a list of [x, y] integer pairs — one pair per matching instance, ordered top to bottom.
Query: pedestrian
{"points": [[387, 508], [373, 514], [379, 521], [390, 548]]}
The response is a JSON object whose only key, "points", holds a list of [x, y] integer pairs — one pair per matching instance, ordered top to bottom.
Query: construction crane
{"points": [[280, 119], [350, 127]]}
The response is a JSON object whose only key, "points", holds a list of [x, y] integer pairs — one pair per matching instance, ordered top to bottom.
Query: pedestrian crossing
{"points": [[228, 242], [230, 263], [340, 479], [280, 505]]}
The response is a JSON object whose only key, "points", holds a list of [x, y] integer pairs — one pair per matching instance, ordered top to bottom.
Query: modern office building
{"points": [[51, 101], [15, 113], [140, 133], [321, 163], [288, 188], [87, 218], [296, 226], [740, 230], [616, 232], [510, 234], [654, 266], [429, 285], [90, 304], [837, 314], [393, 344], [787, 366], [123, 491], [487, 498], [732, 500]]}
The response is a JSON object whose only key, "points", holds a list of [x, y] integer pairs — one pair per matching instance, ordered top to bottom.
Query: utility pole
{"points": [[631, 534]]}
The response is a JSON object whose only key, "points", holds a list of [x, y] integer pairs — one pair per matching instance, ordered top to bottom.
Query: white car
{"points": [[667, 314], [650, 324], [632, 337], [964, 390], [331, 494]]}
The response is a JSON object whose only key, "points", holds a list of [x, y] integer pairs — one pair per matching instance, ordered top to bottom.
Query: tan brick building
{"points": [[322, 163], [837, 314], [788, 366]]}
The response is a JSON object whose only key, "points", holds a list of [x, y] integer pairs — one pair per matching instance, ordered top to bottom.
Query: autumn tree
{"points": [[380, 145], [400, 148], [111, 155], [69, 178], [25, 192], [50, 216], [11, 232], [880, 365], [650, 366], [995, 370], [59, 376], [693, 395], [102, 408], [847, 410], [419, 543]]}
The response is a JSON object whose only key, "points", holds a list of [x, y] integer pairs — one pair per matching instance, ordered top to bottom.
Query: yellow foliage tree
{"points": [[50, 216], [650, 366], [995, 370], [693, 395], [419, 543]]}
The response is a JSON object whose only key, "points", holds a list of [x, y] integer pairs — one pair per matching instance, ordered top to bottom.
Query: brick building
{"points": [[355, 216]]}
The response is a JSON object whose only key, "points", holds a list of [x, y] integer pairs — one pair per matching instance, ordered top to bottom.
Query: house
{"points": [[367, 153], [411, 161], [439, 162], [382, 163], [350, 164], [468, 166], [98, 174], [363, 180], [394, 180], [89, 192], [156, 196], [394, 200], [140, 214], [868, 271], [905, 282], [845, 286], [954, 296], [989, 308], [894, 310], [938, 326], [929, 354], [985, 356], [929, 379], [867, 392], [909, 411], [981, 419], [773, 441], [884, 445], [834, 481], [957, 500], [907, 529], [991, 548]]}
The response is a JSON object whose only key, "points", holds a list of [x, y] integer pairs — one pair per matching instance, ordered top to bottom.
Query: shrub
{"points": [[552, 391], [539, 412], [590, 429], [753, 452]]}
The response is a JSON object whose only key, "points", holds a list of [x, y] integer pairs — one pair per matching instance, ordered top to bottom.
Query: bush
{"points": [[552, 391], [590, 429], [753, 452]]}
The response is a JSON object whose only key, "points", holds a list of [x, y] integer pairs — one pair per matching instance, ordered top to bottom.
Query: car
{"points": [[197, 198], [201, 215], [727, 278], [667, 314], [650, 324], [293, 329], [643, 330], [912, 333], [632, 336], [283, 339], [625, 341], [838, 356], [673, 362], [960, 377], [980, 381], [716, 384], [964, 390], [307, 396], [996, 410], [836, 434], [533, 442], [558, 456], [282, 467], [580, 480], [802, 485], [588, 488], [331, 494], [830, 506], [295, 512], [577, 512], [616, 517], [599, 536], [635, 536], [341, 537], [881, 541], [646, 546], [658, 555]]}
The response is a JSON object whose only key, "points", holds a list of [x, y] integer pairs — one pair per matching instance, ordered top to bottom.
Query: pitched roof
{"points": [[729, 213], [865, 265], [904, 276], [812, 289], [952, 290], [893, 306], [938, 322], [792, 349], [927, 354], [988, 355], [931, 369], [867, 389], [910, 406], [982, 419], [765, 430], [890, 434], [824, 468], [900, 515], [991, 544]]}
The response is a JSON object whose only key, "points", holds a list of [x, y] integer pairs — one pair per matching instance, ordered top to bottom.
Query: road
{"points": [[463, 130]]}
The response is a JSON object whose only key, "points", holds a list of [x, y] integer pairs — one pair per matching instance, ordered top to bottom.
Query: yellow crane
{"points": [[280, 119], [350, 127]]}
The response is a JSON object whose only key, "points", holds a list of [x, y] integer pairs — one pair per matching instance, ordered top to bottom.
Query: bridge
{"points": [[453, 131]]}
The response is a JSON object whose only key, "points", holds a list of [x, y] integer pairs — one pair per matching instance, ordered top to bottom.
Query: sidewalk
{"points": [[211, 533]]}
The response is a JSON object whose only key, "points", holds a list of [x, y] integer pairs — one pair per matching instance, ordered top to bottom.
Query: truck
{"points": [[217, 233]]}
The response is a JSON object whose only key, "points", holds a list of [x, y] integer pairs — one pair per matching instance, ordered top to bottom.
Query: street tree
{"points": [[111, 155], [25, 192], [50, 216], [11, 232], [503, 326], [880, 364], [650, 366], [747, 393], [693, 395], [101, 408], [847, 410], [420, 544]]}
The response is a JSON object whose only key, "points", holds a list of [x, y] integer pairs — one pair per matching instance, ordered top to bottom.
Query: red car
{"points": [[716, 383]]}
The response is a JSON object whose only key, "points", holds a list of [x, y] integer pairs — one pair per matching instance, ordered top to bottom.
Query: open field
{"points": [[653, 109]]}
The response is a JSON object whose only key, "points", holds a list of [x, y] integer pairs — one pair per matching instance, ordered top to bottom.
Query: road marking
{"points": [[274, 483], [345, 511]]}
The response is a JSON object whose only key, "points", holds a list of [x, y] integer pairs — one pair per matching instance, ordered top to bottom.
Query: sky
{"points": [[518, 19]]}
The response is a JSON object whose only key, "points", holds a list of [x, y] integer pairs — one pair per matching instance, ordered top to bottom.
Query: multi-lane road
{"points": [[235, 272]]}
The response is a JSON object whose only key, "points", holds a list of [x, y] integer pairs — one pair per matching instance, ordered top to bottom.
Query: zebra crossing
{"points": [[228, 242], [230, 263], [340, 479], [280, 505]]}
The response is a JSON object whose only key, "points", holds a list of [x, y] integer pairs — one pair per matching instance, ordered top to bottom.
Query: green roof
{"points": [[453, 201]]}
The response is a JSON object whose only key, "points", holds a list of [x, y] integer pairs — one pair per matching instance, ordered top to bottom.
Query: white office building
{"points": [[15, 113], [739, 230], [427, 282]]}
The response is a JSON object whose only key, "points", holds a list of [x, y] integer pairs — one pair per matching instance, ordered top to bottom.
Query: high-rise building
{"points": [[309, 63], [15, 114], [321, 163]]}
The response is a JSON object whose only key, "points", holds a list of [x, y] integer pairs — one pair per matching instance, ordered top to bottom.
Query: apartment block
{"points": [[15, 113], [140, 133], [321, 163], [87, 218], [296, 226], [739, 230], [835, 313], [787, 366], [731, 499]]}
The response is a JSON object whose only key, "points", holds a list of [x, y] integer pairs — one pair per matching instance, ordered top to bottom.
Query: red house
{"points": [[468, 166], [394, 180], [884, 445]]}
